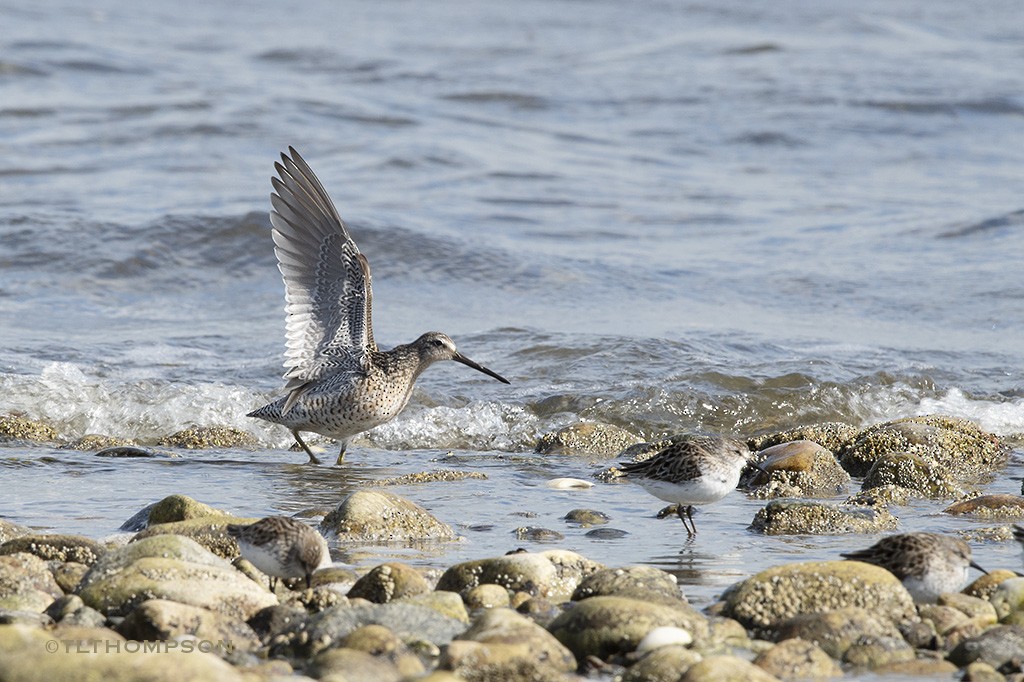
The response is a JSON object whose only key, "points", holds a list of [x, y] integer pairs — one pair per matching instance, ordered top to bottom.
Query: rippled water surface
{"points": [[670, 217]]}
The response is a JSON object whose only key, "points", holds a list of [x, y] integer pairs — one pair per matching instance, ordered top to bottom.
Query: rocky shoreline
{"points": [[173, 600]]}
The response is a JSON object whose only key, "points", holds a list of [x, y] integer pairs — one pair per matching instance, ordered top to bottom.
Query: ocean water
{"points": [[670, 217]]}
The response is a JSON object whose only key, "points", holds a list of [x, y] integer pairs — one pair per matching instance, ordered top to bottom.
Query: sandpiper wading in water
{"points": [[339, 383]]}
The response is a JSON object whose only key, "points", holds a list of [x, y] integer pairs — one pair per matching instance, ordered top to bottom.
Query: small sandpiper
{"points": [[339, 383], [691, 470], [282, 547], [928, 564]]}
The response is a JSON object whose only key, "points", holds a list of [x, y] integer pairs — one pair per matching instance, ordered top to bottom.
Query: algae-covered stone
{"points": [[13, 427], [830, 435], [202, 437], [586, 438], [95, 441], [957, 444], [799, 468], [907, 470], [436, 476], [1001, 507], [179, 508], [380, 516], [791, 517], [586, 518], [10, 530], [209, 531], [537, 534], [56, 548], [170, 567], [556, 572], [389, 581], [637, 582], [26, 583], [984, 586], [782, 592], [486, 596], [1008, 599], [448, 604], [972, 607], [159, 619], [411, 622], [608, 626], [835, 631], [501, 641], [383, 644], [873, 651], [25, 658], [798, 659], [351, 664], [664, 664], [726, 669]]}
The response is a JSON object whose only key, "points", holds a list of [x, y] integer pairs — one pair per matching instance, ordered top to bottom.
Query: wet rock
{"points": [[13, 427], [830, 435], [203, 437], [586, 438], [95, 441], [957, 444], [133, 452], [800, 468], [907, 470], [437, 476], [883, 495], [1001, 507], [168, 510], [379, 516], [790, 517], [586, 518], [9, 530], [209, 531], [537, 534], [606, 534], [56, 548], [170, 567], [68, 574], [546, 574], [335, 575], [389, 581], [636, 582], [26, 583], [985, 585], [782, 592], [486, 596], [1008, 600], [447, 604], [71, 610], [33, 618], [942, 618], [275, 619], [161, 620], [412, 623], [608, 626], [968, 629], [837, 630], [726, 632], [380, 642], [501, 642], [1001, 645], [20, 659], [798, 659], [351, 664], [665, 664], [921, 668], [726, 669], [982, 672]]}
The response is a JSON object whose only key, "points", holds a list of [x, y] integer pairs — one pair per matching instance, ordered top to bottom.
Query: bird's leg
{"points": [[298, 439], [341, 454], [685, 513], [273, 584]]}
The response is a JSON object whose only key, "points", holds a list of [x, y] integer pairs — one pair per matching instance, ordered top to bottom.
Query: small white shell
{"points": [[568, 483], [663, 636]]}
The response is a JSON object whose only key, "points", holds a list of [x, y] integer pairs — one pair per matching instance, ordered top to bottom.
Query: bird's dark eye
{"points": [[437, 342]]}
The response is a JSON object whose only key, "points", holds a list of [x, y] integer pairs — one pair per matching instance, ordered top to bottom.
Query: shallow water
{"points": [[687, 217]]}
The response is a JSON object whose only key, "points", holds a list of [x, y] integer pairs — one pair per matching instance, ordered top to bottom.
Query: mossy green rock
{"points": [[586, 438], [957, 444], [907, 470], [180, 508], [381, 517], [793, 517], [209, 531], [63, 548], [170, 567], [546, 574], [389, 581], [637, 582], [26, 583], [782, 592], [608, 626], [24, 657]]}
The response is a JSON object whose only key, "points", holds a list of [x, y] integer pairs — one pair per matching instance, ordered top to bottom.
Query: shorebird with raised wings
{"points": [[339, 383]]}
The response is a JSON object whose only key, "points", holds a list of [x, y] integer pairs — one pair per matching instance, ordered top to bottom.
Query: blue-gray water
{"points": [[669, 216]]}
